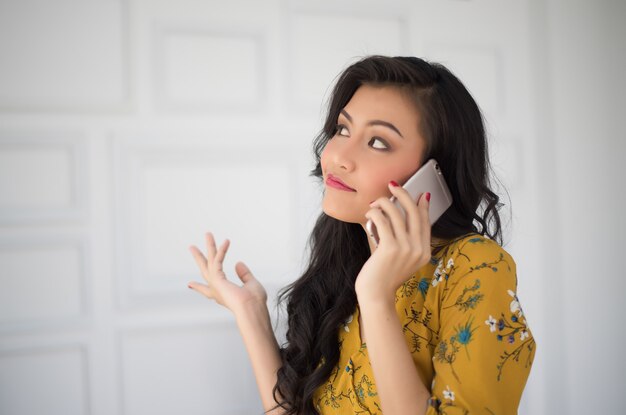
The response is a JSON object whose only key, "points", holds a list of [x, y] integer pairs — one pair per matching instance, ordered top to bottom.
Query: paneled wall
{"points": [[128, 128]]}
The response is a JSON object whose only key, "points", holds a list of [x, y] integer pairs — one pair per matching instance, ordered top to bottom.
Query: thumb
{"points": [[244, 273]]}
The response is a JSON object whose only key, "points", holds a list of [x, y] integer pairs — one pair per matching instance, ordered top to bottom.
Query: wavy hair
{"points": [[324, 296]]}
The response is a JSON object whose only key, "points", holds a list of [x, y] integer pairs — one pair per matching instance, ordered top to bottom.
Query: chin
{"points": [[341, 214]]}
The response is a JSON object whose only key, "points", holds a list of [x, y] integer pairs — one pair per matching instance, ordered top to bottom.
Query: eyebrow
{"points": [[375, 122]]}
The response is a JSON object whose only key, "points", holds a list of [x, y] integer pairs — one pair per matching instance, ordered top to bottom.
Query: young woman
{"points": [[425, 322]]}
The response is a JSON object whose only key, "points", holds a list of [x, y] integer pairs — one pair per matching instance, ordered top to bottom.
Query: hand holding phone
{"points": [[428, 178]]}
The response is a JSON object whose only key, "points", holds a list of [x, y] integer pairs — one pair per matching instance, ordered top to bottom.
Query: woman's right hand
{"points": [[218, 287]]}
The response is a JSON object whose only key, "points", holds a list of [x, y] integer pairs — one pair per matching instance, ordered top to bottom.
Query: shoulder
{"points": [[473, 243], [476, 250], [473, 255]]}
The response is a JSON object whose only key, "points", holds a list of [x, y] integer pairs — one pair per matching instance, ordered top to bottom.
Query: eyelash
{"points": [[339, 127]]}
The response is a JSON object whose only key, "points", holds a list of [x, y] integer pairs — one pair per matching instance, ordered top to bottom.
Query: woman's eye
{"points": [[342, 130], [375, 142], [379, 147]]}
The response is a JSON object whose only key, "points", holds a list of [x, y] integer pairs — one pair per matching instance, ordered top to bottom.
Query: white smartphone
{"points": [[428, 178]]}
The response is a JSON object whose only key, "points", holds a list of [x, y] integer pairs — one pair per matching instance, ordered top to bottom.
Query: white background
{"points": [[130, 127]]}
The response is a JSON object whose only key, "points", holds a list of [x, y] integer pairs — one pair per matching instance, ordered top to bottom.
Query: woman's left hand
{"points": [[403, 246]]}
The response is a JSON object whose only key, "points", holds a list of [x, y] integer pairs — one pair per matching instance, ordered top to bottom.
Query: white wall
{"points": [[585, 85], [129, 127]]}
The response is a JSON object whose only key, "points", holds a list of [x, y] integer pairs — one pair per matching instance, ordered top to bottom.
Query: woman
{"points": [[425, 322]]}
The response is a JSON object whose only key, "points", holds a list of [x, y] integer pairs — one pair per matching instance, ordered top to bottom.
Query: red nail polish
{"points": [[394, 184], [428, 196]]}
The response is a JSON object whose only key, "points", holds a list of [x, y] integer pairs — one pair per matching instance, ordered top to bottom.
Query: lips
{"points": [[336, 182]]}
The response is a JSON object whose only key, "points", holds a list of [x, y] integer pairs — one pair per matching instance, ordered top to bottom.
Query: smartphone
{"points": [[428, 178]]}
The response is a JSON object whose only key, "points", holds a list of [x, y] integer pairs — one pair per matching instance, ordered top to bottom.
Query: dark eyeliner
{"points": [[338, 128], [387, 146]]}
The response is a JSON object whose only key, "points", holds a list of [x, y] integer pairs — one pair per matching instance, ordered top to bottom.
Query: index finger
{"points": [[410, 207], [210, 246], [200, 260]]}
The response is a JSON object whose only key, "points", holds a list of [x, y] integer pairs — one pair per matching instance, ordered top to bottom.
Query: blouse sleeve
{"points": [[485, 349]]}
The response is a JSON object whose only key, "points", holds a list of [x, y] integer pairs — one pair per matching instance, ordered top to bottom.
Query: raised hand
{"points": [[404, 244], [218, 287]]}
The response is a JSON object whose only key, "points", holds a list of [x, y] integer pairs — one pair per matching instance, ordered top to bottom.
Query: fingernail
{"points": [[393, 183], [428, 196], [188, 285]]}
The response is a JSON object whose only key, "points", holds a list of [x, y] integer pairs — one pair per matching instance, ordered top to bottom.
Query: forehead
{"points": [[383, 102]]}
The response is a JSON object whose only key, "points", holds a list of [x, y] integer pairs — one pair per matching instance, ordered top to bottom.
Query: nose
{"points": [[343, 155]]}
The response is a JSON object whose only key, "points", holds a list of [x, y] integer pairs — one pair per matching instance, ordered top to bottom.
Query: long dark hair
{"points": [[324, 297]]}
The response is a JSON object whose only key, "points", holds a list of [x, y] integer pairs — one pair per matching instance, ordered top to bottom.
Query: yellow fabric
{"points": [[464, 328]]}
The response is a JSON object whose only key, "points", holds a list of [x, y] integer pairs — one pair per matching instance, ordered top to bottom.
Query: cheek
{"points": [[326, 152], [380, 177]]}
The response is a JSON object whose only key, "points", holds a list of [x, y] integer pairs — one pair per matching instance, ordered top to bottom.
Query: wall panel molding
{"points": [[320, 43], [77, 62], [195, 68], [26, 154], [64, 301], [170, 369], [30, 380]]}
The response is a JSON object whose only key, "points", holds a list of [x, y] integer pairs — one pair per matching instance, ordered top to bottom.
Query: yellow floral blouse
{"points": [[463, 325]]}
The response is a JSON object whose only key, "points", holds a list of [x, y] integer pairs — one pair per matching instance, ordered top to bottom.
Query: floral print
{"points": [[442, 273], [491, 322], [507, 328], [471, 366], [448, 394]]}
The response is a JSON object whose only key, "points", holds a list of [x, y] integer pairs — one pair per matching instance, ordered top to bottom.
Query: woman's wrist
{"points": [[379, 297], [375, 306], [253, 312]]}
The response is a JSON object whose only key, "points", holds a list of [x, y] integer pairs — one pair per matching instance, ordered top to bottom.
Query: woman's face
{"points": [[377, 140]]}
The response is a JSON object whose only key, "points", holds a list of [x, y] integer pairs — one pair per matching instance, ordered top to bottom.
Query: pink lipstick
{"points": [[336, 183]]}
